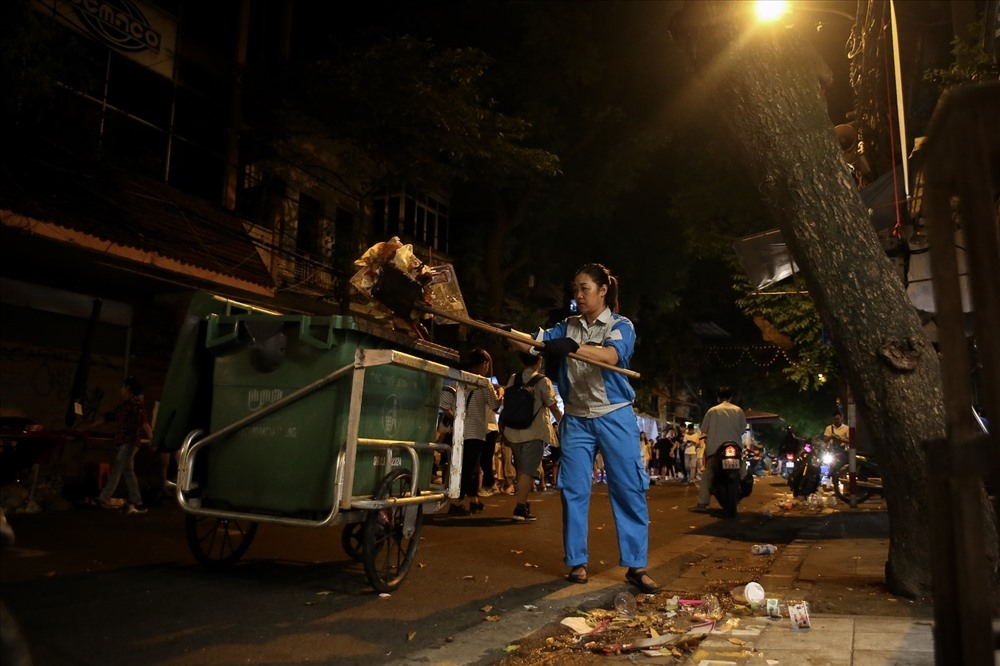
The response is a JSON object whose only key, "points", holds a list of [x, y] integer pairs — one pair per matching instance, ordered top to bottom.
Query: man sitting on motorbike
{"points": [[723, 423]]}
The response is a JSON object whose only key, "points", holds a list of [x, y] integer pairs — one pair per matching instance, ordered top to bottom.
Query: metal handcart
{"points": [[313, 422]]}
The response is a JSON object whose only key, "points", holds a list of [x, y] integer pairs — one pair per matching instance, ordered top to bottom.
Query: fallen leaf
{"points": [[517, 552], [529, 564], [421, 565], [468, 578], [384, 595], [530, 607], [487, 608], [492, 618], [652, 633], [410, 635], [736, 641], [512, 648]]}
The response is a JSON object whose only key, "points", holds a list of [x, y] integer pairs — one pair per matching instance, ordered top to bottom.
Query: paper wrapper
{"points": [[798, 614]]}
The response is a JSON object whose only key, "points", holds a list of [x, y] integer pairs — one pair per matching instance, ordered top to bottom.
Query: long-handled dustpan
{"points": [[402, 294]]}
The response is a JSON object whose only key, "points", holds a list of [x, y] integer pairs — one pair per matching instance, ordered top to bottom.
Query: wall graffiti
{"points": [[37, 381]]}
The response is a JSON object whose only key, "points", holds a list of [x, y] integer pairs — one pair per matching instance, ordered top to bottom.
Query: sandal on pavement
{"points": [[577, 574], [640, 578]]}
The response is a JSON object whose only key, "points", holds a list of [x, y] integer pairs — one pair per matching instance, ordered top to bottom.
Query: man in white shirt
{"points": [[723, 423], [838, 433]]}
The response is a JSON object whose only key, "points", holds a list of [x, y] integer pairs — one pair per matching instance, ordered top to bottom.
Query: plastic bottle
{"points": [[764, 549], [625, 603]]}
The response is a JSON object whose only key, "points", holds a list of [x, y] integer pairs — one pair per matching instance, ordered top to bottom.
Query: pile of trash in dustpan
{"points": [[398, 287]]}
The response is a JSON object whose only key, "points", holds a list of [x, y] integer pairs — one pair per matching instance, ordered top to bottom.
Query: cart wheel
{"points": [[352, 539], [217, 542], [388, 548]]}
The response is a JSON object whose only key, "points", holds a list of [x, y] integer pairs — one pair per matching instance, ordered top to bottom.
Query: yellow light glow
{"points": [[770, 10]]}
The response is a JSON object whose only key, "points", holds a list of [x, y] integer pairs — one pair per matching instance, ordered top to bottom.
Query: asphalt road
{"points": [[101, 587]]}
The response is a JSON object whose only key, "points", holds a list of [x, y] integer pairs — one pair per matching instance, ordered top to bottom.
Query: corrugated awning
{"points": [[129, 218]]}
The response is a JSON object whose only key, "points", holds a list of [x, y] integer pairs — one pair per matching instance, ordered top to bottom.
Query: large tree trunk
{"points": [[762, 79]]}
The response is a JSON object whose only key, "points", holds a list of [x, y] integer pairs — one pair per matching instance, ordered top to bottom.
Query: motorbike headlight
{"points": [[827, 458]]}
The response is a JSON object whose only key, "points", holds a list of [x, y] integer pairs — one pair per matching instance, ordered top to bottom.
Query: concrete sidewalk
{"points": [[834, 640]]}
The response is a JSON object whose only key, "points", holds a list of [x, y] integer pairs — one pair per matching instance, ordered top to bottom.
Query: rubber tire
{"points": [[734, 490], [840, 490], [352, 539], [218, 542], [388, 554]]}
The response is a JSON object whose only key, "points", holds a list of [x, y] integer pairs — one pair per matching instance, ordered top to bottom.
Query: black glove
{"points": [[561, 347]]}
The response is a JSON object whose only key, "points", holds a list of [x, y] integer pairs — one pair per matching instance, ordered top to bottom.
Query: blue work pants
{"points": [[616, 436]]}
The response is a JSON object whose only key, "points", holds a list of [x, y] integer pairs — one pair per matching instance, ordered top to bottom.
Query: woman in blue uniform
{"points": [[599, 418]]}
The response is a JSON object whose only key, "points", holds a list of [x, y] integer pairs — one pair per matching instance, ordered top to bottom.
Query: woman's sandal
{"points": [[577, 574], [640, 578]]}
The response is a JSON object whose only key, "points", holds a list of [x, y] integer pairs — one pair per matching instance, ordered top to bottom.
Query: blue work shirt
{"points": [[587, 390]]}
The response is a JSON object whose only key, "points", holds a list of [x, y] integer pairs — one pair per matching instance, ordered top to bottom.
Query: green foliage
{"points": [[971, 62], [403, 110], [794, 316]]}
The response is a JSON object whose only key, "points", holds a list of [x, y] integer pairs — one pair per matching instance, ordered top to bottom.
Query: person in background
{"points": [[479, 400], [599, 420], [725, 422], [131, 429], [837, 433], [691, 442], [528, 444], [665, 449], [555, 450], [644, 450], [701, 455], [488, 456], [600, 475]]}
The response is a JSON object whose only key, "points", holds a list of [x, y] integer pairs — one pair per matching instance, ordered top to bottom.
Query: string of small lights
{"points": [[762, 356]]}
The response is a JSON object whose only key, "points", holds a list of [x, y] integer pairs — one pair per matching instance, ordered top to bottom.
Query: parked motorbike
{"points": [[755, 462], [787, 463], [805, 476], [867, 478], [732, 480]]}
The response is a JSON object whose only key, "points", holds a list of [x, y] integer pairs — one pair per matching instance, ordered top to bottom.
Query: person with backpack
{"points": [[527, 399]]}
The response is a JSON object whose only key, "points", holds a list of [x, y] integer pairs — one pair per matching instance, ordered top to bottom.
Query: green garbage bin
{"points": [[284, 464]]}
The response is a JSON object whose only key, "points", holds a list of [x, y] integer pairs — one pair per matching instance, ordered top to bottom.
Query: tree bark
{"points": [[773, 108]]}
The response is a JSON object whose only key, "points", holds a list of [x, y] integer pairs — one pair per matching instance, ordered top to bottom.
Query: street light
{"points": [[771, 10]]}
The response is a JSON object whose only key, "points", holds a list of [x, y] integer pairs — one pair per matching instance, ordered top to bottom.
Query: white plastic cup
{"points": [[754, 594]]}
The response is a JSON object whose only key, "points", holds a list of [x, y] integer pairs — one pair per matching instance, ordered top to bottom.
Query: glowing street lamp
{"points": [[771, 10]]}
